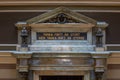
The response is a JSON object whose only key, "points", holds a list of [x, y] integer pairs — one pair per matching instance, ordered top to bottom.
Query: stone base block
{"points": [[24, 49], [99, 49]]}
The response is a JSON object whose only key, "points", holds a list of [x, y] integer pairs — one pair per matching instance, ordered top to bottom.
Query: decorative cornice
{"points": [[86, 10]]}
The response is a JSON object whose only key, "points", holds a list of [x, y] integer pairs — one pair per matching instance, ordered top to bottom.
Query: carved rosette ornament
{"points": [[61, 18]]}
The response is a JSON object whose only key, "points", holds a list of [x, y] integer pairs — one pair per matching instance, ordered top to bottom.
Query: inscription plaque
{"points": [[61, 36]]}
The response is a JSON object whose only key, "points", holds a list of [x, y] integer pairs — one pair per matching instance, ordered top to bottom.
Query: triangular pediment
{"points": [[61, 15]]}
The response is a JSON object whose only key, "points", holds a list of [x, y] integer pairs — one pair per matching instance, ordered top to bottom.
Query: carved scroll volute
{"points": [[100, 33], [24, 36], [99, 36]]}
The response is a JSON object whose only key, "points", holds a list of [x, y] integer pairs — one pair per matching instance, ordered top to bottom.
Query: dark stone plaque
{"points": [[61, 36]]}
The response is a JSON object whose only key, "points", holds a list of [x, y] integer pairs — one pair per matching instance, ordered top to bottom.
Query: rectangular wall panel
{"points": [[7, 60], [115, 60], [7, 66], [113, 66], [8, 73], [113, 74]]}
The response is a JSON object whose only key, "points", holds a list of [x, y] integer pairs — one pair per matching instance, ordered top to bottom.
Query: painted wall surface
{"points": [[7, 67], [113, 67]]}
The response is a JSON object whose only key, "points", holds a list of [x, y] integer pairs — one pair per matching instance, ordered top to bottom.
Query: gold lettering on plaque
{"points": [[61, 36]]}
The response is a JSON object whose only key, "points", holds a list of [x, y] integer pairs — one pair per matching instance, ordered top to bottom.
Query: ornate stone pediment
{"points": [[61, 15], [64, 16]]}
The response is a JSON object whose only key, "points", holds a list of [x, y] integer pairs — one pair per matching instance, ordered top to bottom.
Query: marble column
{"points": [[30, 75], [92, 75], [99, 75], [22, 76], [35, 76]]}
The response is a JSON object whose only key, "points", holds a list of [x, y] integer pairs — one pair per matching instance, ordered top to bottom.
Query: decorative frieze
{"points": [[62, 46], [62, 61], [73, 68]]}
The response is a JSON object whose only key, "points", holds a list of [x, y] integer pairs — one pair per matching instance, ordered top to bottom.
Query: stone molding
{"points": [[59, 3]]}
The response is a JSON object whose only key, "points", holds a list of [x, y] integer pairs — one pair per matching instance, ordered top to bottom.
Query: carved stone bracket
{"points": [[22, 61], [100, 61], [22, 64]]}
